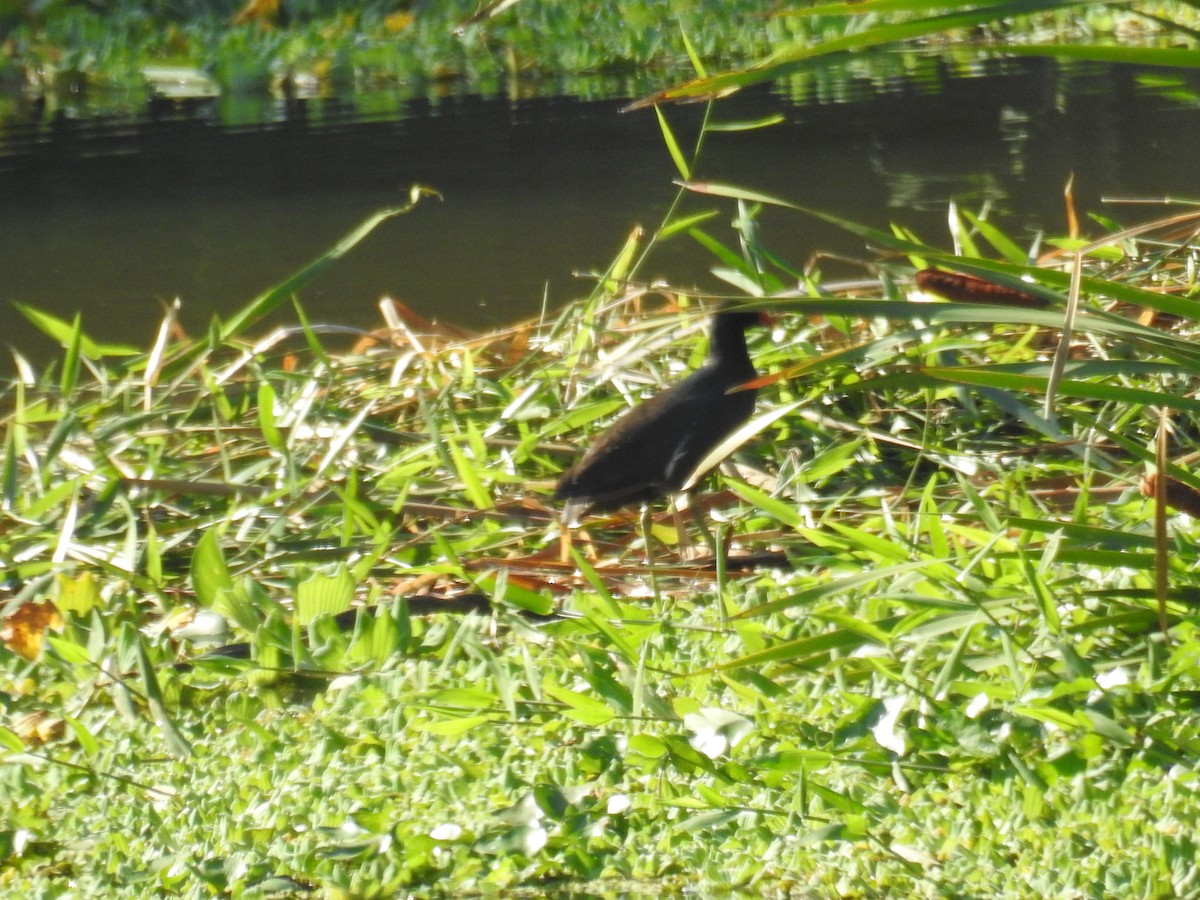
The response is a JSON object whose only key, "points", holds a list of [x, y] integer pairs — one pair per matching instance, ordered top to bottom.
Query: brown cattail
{"points": [[970, 289], [1180, 496]]}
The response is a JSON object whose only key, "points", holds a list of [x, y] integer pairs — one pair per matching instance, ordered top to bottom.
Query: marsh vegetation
{"points": [[280, 619]]}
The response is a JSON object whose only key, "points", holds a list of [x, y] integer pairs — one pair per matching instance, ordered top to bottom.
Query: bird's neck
{"points": [[728, 348]]}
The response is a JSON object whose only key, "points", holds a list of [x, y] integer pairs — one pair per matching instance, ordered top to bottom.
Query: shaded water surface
{"points": [[110, 214]]}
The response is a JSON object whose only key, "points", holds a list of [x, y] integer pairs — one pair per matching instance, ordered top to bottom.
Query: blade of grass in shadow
{"points": [[1183, 306], [310, 336], [1138, 451], [10, 478]]}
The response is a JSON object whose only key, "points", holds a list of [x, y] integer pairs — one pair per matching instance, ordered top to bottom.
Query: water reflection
{"points": [[214, 199]]}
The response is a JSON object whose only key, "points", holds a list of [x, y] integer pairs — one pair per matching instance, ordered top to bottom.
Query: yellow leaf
{"points": [[398, 21], [23, 631]]}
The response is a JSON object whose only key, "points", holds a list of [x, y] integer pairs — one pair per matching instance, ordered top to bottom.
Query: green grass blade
{"points": [[1171, 57], [681, 163], [63, 332], [70, 369], [1083, 389], [172, 736]]}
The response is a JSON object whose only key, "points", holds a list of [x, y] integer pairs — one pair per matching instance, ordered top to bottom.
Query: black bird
{"points": [[655, 448]]}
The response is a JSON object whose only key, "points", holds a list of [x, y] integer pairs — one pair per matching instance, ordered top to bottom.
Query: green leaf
{"points": [[1112, 53], [807, 55], [693, 56], [765, 122], [681, 163], [998, 239], [618, 272], [65, 334], [70, 369], [991, 377], [266, 417], [9, 477], [472, 484], [781, 510], [210, 574], [830, 588], [505, 591], [324, 594], [78, 595], [377, 638], [68, 650], [808, 652], [464, 698], [580, 707], [1049, 715], [451, 727], [1107, 728], [173, 738], [86, 739], [10, 740], [649, 746], [795, 761], [838, 800], [704, 820]]}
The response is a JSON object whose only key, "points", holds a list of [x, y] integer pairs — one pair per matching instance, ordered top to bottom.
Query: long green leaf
{"points": [[1169, 57], [681, 164], [62, 332], [1087, 390], [839, 586], [803, 653], [579, 707], [173, 737]]}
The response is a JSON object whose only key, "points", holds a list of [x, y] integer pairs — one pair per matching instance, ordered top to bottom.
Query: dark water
{"points": [[109, 214]]}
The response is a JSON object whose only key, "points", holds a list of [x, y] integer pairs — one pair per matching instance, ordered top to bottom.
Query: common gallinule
{"points": [[654, 448]]}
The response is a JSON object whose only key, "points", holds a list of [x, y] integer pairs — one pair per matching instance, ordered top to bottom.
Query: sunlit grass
{"points": [[929, 661]]}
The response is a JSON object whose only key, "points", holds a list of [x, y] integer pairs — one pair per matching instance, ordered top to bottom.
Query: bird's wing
{"points": [[643, 449]]}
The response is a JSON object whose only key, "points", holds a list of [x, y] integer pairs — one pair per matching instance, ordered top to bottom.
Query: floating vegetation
{"points": [[65, 50]]}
